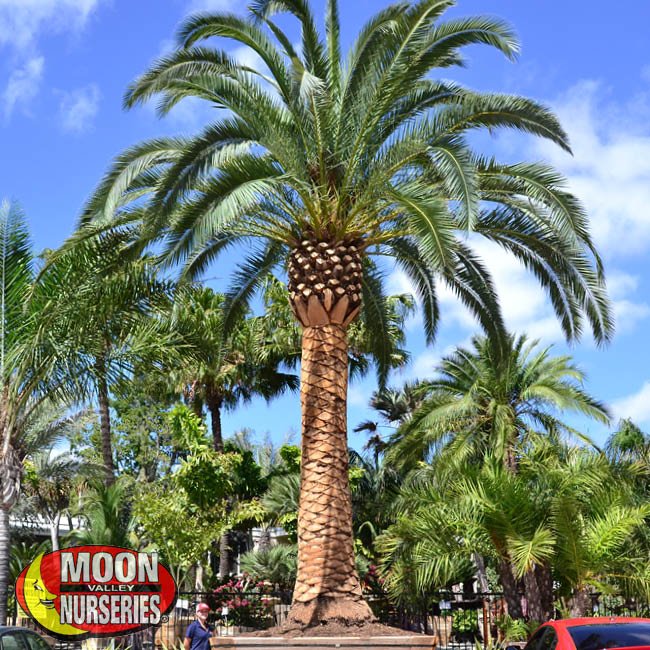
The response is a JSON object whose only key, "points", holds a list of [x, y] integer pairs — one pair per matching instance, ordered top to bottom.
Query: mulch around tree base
{"points": [[333, 628]]}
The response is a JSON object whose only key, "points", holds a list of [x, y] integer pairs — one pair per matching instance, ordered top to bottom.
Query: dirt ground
{"points": [[334, 629]]}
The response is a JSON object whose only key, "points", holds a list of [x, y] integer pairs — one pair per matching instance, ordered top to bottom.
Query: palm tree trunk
{"points": [[214, 401], [105, 421], [11, 471], [54, 531], [224, 555], [4, 562], [481, 574], [545, 582], [327, 585], [510, 591], [580, 602], [535, 610]]}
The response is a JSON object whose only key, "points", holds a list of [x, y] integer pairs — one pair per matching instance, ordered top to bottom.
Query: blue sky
{"points": [[64, 66]]}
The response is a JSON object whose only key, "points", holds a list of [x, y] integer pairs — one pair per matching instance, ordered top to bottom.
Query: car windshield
{"points": [[609, 635]]}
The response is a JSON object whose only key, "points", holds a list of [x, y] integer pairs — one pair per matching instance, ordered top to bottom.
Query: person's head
{"points": [[202, 611]]}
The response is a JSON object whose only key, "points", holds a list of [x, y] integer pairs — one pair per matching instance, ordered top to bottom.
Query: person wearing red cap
{"points": [[197, 636]]}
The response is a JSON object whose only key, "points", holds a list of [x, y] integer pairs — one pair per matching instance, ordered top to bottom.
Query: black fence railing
{"points": [[458, 620]]}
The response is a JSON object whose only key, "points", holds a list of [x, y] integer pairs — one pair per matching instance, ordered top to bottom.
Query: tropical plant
{"points": [[326, 164], [103, 319], [227, 370], [32, 377], [478, 404], [395, 407], [50, 477], [374, 492], [107, 514], [561, 518], [276, 564]]}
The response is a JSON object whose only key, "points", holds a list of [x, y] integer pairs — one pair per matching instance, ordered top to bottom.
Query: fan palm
{"points": [[326, 162], [31, 376], [479, 404], [107, 513]]}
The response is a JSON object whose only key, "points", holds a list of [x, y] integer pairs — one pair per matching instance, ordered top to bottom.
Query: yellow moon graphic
{"points": [[41, 602]]}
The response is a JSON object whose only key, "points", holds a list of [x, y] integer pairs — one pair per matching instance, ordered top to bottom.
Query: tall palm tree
{"points": [[322, 163], [31, 376], [481, 404]]}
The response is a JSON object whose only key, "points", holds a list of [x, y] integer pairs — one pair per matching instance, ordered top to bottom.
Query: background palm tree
{"points": [[321, 164], [101, 311], [226, 371], [31, 376], [481, 404], [485, 407], [52, 474], [106, 511], [559, 519]]}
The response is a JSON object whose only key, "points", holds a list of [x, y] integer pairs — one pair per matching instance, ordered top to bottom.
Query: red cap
{"points": [[203, 606]]}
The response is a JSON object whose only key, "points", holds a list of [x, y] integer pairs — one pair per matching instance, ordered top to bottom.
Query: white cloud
{"points": [[22, 20], [244, 55], [23, 86], [78, 108], [610, 169], [524, 304], [423, 366], [636, 406]]}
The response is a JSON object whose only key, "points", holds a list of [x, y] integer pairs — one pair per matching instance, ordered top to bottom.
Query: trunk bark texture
{"points": [[214, 401], [105, 422], [11, 473], [264, 541], [224, 555], [4, 562], [481, 574], [545, 582], [327, 585], [510, 591], [580, 603], [535, 610]]}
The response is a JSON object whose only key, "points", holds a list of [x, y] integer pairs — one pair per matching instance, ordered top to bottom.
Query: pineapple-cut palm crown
{"points": [[366, 150]]}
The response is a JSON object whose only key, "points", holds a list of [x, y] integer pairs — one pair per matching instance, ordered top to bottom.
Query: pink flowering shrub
{"points": [[248, 600]]}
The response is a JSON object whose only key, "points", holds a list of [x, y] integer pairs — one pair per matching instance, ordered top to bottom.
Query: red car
{"points": [[592, 634]]}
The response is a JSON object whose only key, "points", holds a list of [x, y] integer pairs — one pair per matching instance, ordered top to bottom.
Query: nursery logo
{"points": [[95, 591]]}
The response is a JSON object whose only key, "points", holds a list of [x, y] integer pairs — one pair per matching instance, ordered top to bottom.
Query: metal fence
{"points": [[458, 620]]}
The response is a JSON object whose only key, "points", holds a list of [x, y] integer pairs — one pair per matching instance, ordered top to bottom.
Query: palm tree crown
{"points": [[335, 160], [477, 406]]}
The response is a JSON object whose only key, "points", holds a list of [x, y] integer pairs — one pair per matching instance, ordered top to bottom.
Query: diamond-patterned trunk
{"points": [[325, 292]]}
